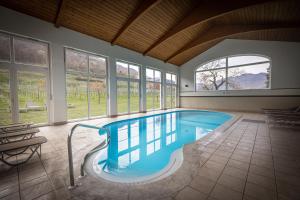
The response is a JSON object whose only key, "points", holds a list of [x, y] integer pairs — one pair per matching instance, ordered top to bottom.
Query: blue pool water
{"points": [[143, 146]]}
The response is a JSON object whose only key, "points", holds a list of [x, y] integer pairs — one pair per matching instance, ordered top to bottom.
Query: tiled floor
{"points": [[248, 161]]}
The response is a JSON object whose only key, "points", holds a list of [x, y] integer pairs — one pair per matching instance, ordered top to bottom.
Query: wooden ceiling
{"points": [[174, 31]]}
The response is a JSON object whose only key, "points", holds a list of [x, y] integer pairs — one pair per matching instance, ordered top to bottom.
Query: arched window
{"points": [[239, 72]]}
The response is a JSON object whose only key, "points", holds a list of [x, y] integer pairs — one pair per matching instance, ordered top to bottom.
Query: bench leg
{"points": [[33, 150]]}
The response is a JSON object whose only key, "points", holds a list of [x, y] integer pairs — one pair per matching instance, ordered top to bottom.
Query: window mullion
{"points": [[226, 76]]}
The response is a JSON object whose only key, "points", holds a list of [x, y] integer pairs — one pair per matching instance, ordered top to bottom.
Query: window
{"points": [[4, 48], [30, 52], [24, 68], [234, 73], [86, 84], [171, 86], [128, 87], [153, 89]]}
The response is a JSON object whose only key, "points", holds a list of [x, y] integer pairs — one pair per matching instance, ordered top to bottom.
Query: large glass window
{"points": [[4, 48], [30, 52], [24, 68], [234, 73], [86, 84], [128, 87], [171, 87], [153, 89], [5, 102]]}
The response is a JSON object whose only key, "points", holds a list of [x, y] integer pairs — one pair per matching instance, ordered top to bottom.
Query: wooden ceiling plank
{"points": [[145, 6], [59, 13], [202, 13], [223, 31]]}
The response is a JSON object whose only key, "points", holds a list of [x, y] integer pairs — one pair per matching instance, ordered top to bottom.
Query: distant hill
{"points": [[246, 81], [250, 81]]}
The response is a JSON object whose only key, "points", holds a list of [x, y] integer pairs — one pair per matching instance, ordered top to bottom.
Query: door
{"points": [[5, 98], [25, 103]]}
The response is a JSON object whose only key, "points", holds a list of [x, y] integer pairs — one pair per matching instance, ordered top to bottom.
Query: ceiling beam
{"points": [[144, 6], [59, 13], [202, 13], [222, 31]]}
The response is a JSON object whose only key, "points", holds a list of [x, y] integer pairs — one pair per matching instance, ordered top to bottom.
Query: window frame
{"points": [[88, 53], [234, 66], [14, 67], [128, 79], [161, 85], [172, 85]]}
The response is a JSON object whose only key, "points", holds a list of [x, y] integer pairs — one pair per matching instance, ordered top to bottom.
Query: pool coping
{"points": [[176, 159]]}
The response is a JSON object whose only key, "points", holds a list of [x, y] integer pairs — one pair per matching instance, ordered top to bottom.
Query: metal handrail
{"points": [[101, 146], [70, 154]]}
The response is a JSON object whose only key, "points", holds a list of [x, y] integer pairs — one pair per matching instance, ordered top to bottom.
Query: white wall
{"points": [[18, 23], [285, 57]]}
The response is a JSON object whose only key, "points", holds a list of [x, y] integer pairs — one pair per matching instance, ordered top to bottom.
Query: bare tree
{"points": [[214, 78]]}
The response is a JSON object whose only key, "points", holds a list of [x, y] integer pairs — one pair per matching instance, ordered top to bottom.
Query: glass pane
{"points": [[4, 48], [31, 52], [241, 60], [76, 62], [213, 64], [97, 66], [122, 69], [134, 71], [149, 74], [157, 76], [249, 77], [168, 78], [174, 79], [211, 80], [97, 92], [77, 95], [156, 95], [32, 96], [122, 96], [149, 96], [168, 96], [174, 96], [134, 97], [5, 107]]}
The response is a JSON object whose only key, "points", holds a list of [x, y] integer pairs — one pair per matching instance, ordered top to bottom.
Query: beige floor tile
{"points": [[235, 172], [262, 181], [231, 182], [202, 184], [36, 190], [259, 192], [223, 193], [190, 194]]}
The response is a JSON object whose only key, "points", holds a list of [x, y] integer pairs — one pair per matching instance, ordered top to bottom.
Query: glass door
{"points": [[24, 69], [122, 96], [32, 97], [5, 98]]}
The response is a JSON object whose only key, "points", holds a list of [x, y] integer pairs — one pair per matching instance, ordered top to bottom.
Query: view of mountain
{"points": [[243, 81], [249, 81]]}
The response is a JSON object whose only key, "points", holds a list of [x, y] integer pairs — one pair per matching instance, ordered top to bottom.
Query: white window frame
{"points": [[229, 67], [13, 68], [129, 80], [171, 85], [161, 87], [88, 97]]}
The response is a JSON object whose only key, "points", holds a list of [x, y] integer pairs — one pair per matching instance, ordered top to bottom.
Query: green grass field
{"points": [[32, 94]]}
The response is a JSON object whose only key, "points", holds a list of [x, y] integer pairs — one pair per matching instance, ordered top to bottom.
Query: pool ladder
{"points": [[102, 145]]}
